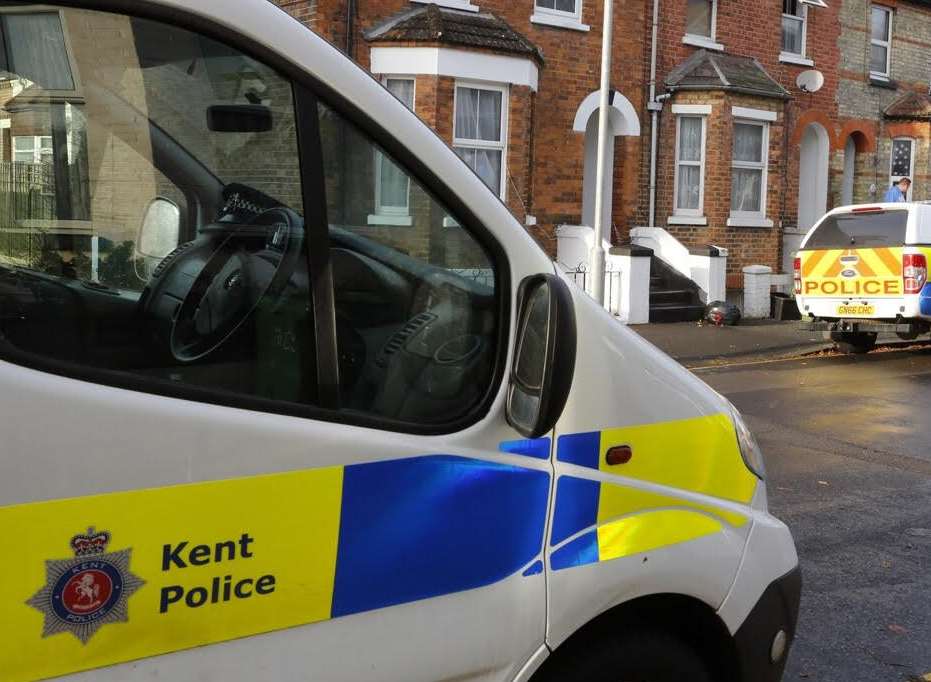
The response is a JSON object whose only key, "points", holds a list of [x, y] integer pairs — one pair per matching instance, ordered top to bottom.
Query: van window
{"points": [[150, 208], [851, 230], [416, 306]]}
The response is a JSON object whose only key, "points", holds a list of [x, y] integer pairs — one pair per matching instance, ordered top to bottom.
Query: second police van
{"points": [[862, 270], [287, 394]]}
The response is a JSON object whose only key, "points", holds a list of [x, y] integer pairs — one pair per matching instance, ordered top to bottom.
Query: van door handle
{"points": [[619, 454]]}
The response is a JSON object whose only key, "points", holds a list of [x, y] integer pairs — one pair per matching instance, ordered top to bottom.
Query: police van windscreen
{"points": [[873, 228]]}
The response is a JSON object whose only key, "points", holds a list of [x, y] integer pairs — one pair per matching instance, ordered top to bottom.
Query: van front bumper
{"points": [[770, 622]]}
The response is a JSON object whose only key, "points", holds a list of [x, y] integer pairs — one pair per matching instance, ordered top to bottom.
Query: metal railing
{"points": [[582, 278]]}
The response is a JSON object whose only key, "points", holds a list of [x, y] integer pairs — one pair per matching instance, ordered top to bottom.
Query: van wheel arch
{"points": [[688, 619]]}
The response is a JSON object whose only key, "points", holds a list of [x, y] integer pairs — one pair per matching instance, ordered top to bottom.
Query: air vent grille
{"points": [[401, 337]]}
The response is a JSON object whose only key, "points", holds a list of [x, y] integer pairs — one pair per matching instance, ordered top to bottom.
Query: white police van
{"points": [[286, 394]]}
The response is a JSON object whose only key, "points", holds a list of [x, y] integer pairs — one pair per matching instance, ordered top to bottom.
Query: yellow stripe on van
{"points": [[700, 455], [615, 501], [280, 529], [652, 530]]}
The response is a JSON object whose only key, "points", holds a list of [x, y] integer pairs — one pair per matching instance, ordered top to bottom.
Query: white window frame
{"points": [[555, 17], [707, 42], [887, 43], [797, 57], [763, 119], [466, 143], [36, 149], [911, 164], [392, 215], [696, 215]]}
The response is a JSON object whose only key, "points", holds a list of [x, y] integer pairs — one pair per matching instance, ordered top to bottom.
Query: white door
{"points": [[813, 176], [265, 425]]}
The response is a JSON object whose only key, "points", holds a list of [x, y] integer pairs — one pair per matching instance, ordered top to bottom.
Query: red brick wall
{"points": [[753, 30], [545, 156]]}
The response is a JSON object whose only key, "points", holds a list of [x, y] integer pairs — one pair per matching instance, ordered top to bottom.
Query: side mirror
{"points": [[161, 227], [544, 356]]}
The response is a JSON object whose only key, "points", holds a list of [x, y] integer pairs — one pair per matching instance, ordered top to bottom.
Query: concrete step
{"points": [[681, 296], [676, 312]]}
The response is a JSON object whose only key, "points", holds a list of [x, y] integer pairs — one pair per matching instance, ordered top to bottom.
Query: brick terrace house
{"points": [[514, 88], [884, 125], [744, 153]]}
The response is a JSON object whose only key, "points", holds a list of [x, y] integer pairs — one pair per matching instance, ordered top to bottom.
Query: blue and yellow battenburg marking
{"points": [[699, 455], [227, 559]]}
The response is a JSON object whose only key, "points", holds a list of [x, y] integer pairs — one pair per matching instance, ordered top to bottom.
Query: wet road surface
{"points": [[848, 448]]}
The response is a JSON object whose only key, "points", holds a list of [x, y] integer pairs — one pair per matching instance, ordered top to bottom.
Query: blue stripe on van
{"points": [[924, 299], [538, 448], [579, 448], [576, 507], [423, 527]]}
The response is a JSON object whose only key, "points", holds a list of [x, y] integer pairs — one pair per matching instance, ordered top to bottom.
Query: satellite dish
{"points": [[810, 81]]}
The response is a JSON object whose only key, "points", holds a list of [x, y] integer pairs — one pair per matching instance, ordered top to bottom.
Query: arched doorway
{"points": [[622, 120], [814, 149], [812, 175]]}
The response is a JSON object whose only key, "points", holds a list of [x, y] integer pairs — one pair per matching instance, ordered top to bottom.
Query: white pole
{"points": [[654, 115], [598, 252]]}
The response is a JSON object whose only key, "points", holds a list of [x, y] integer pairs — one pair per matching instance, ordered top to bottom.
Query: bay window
{"points": [[480, 131], [749, 158], [689, 182]]}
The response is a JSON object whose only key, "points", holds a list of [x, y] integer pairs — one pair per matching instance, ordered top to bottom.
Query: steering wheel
{"points": [[203, 292]]}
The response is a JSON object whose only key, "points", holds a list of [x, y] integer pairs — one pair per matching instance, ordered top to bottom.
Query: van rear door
{"points": [[851, 263]]}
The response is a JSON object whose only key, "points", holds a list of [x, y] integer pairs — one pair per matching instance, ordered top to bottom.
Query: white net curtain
{"points": [[747, 177]]}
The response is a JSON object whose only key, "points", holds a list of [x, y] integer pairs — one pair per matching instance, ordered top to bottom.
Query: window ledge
{"points": [[452, 4], [558, 22], [702, 41], [790, 58], [882, 82], [385, 219], [687, 220], [740, 221]]}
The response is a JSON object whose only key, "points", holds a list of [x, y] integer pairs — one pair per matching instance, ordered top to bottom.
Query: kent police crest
{"points": [[84, 593]]}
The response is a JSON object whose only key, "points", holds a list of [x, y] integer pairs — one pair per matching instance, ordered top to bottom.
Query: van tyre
{"points": [[854, 342], [632, 657]]}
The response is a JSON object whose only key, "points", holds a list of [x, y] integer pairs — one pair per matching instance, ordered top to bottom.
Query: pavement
{"points": [[700, 345], [848, 468]]}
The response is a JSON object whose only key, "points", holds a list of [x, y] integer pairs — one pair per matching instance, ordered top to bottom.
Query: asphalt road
{"points": [[848, 448]]}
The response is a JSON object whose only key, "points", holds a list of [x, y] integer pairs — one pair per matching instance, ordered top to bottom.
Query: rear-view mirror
{"points": [[544, 356]]}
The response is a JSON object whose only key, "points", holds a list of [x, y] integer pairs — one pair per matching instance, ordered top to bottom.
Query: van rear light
{"points": [[868, 209], [797, 267], [914, 272]]}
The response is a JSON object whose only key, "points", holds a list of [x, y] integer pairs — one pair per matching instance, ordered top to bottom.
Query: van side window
{"points": [[150, 209], [416, 306]]}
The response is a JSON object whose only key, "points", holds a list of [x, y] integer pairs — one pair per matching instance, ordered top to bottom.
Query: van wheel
{"points": [[854, 342], [635, 657]]}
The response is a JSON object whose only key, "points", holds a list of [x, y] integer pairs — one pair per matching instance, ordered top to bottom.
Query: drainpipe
{"points": [[655, 106]]}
